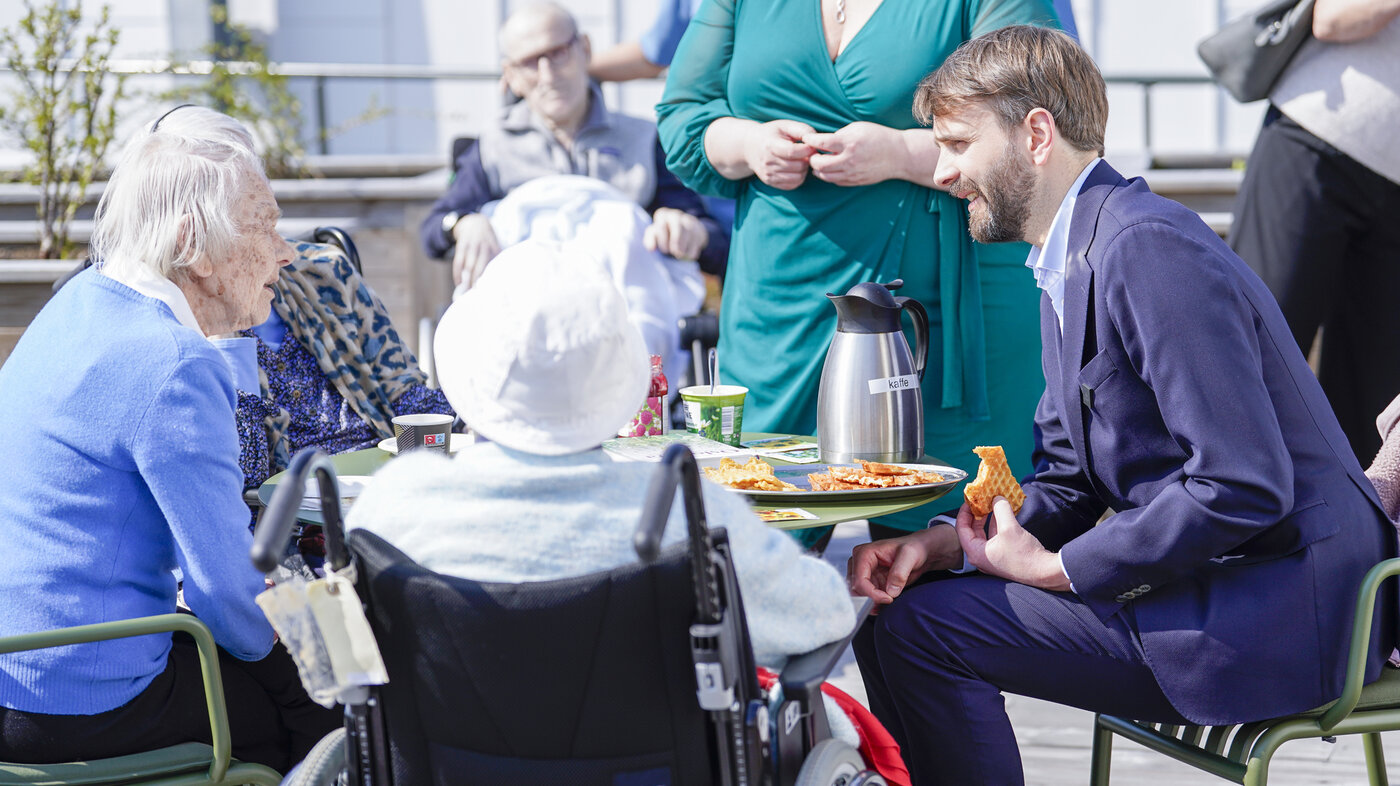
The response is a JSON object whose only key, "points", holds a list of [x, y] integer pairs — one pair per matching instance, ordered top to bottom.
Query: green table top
{"points": [[367, 461]]}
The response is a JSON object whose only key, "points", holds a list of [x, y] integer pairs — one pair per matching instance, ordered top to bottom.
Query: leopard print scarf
{"points": [[330, 310]]}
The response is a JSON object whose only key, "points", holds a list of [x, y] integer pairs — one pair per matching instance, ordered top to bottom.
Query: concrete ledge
{"points": [[346, 165], [332, 166], [1169, 182], [413, 184], [428, 186], [25, 194], [1218, 221], [18, 232], [35, 271]]}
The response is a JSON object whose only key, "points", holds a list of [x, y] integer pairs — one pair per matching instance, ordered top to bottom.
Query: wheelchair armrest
{"points": [[702, 326], [803, 675]]}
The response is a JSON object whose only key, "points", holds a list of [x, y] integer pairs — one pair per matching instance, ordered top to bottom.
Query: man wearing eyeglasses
{"points": [[562, 127]]}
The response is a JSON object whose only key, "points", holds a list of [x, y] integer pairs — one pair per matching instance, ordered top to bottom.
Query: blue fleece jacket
{"points": [[120, 465]]}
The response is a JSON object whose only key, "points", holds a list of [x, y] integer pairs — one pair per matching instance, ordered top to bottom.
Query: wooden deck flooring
{"points": [[1055, 739]]}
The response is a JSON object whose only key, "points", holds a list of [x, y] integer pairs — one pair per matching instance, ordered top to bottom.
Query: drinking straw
{"points": [[714, 369]]}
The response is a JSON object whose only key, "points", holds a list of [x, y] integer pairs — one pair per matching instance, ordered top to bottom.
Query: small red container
{"points": [[651, 418]]}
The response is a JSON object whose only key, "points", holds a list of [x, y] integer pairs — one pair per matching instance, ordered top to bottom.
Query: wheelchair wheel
{"points": [[834, 763], [323, 765]]}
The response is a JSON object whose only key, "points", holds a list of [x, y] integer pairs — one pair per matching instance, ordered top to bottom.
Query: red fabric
{"points": [[312, 542], [876, 745]]}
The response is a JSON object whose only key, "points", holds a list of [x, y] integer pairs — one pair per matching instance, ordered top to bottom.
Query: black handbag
{"points": [[1248, 54]]}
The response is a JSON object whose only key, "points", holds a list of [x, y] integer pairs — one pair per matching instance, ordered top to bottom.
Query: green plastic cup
{"points": [[719, 415]]}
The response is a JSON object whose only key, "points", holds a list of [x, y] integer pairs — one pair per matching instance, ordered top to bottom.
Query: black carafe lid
{"points": [[868, 307]]}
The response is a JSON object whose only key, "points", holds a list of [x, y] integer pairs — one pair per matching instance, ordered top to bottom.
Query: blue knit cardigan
{"points": [[120, 465]]}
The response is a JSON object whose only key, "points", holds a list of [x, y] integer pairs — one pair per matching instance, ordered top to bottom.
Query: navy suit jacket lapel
{"points": [[1079, 279]]}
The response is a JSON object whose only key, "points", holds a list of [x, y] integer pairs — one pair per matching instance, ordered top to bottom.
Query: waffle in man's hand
{"points": [[994, 479]]}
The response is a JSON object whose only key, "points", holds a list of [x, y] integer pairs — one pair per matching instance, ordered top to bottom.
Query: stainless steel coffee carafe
{"points": [[868, 405]]}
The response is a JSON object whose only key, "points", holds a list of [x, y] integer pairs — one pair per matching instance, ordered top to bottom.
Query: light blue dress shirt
{"points": [[1048, 263]]}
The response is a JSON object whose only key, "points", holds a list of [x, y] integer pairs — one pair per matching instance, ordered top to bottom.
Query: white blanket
{"points": [[602, 224]]}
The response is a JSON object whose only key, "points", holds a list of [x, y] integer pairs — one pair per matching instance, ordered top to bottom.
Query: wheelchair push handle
{"points": [[678, 468], [275, 527]]}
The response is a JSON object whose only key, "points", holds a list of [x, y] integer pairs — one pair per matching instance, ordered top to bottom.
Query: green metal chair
{"points": [[1241, 753], [188, 764]]}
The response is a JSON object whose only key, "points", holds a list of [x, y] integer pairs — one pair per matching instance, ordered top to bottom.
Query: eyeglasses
{"points": [[557, 56]]}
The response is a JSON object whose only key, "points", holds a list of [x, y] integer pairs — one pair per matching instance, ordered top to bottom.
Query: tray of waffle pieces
{"points": [[862, 480]]}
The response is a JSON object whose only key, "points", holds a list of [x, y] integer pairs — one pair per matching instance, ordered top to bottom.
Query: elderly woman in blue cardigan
{"points": [[325, 367], [124, 469]]}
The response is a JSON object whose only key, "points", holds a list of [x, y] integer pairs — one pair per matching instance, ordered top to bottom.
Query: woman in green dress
{"points": [[802, 111]]}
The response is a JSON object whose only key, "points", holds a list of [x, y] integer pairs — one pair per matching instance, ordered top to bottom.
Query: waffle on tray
{"points": [[754, 475], [870, 475]]}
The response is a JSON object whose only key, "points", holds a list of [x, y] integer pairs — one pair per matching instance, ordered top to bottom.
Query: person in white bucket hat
{"points": [[544, 357], [540, 360]]}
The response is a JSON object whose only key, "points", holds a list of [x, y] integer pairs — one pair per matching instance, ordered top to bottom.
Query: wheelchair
{"points": [[642, 674]]}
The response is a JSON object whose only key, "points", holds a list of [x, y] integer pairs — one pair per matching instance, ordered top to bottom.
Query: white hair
{"points": [[172, 196]]}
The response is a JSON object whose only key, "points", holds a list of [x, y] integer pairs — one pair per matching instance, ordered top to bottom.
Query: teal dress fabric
{"points": [[766, 60]]}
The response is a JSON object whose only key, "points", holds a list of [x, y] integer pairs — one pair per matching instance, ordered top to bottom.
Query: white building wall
{"points": [[147, 29]]}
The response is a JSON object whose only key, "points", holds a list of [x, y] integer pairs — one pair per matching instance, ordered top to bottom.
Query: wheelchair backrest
{"points": [[577, 681]]}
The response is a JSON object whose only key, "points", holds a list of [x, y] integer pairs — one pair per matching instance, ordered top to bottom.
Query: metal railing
{"points": [[320, 74], [1149, 81]]}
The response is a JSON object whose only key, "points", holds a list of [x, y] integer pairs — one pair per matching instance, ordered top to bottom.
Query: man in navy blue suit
{"points": [[1221, 588]]}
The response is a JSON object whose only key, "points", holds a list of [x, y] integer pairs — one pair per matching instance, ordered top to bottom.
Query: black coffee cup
{"points": [[423, 432]]}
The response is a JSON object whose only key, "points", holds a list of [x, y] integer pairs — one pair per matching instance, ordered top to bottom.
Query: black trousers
{"points": [[1323, 232], [271, 719]]}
